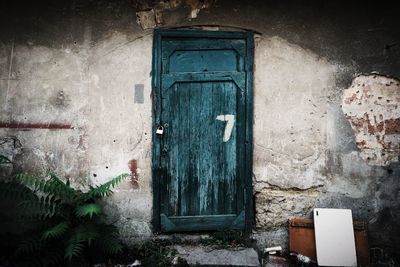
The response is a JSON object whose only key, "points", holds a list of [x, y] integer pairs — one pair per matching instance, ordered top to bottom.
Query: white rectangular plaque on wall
{"points": [[334, 237]]}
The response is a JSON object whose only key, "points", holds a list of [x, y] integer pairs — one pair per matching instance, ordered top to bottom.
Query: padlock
{"points": [[160, 130]]}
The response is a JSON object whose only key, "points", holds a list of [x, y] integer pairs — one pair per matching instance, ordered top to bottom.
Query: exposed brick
{"points": [[374, 117], [392, 126]]}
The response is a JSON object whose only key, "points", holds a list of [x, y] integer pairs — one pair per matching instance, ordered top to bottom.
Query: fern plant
{"points": [[69, 224]]}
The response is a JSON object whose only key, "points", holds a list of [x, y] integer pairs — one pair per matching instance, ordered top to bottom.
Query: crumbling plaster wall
{"points": [[70, 70], [69, 102], [290, 143]]}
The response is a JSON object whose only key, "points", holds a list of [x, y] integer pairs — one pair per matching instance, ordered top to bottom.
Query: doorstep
{"points": [[210, 256]]}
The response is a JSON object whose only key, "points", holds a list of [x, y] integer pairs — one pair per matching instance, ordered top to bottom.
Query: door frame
{"points": [[156, 112]]}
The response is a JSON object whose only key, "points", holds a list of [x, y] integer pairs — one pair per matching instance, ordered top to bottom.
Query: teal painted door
{"points": [[202, 149]]}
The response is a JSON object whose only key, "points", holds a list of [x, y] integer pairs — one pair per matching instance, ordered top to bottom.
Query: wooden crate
{"points": [[302, 239]]}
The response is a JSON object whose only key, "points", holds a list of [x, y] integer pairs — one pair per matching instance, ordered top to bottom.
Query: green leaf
{"points": [[4, 160], [31, 181], [59, 188], [105, 189], [15, 191], [39, 207], [88, 210], [56, 231], [87, 233], [82, 235], [29, 245], [110, 245], [74, 249]]}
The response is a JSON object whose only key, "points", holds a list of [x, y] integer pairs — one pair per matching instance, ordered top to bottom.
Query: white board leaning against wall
{"points": [[334, 237]]}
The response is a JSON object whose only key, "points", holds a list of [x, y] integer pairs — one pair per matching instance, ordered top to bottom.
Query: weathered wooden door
{"points": [[202, 106]]}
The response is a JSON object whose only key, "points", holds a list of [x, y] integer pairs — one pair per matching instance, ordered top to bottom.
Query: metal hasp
{"points": [[202, 166]]}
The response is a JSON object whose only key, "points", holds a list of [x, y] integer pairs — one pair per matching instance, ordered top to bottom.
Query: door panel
{"points": [[202, 55], [202, 60], [201, 159], [201, 166]]}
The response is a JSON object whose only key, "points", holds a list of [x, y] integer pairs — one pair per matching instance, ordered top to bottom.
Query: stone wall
{"points": [[75, 80]]}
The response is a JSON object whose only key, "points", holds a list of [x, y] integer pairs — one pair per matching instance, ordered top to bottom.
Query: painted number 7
{"points": [[230, 120]]}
